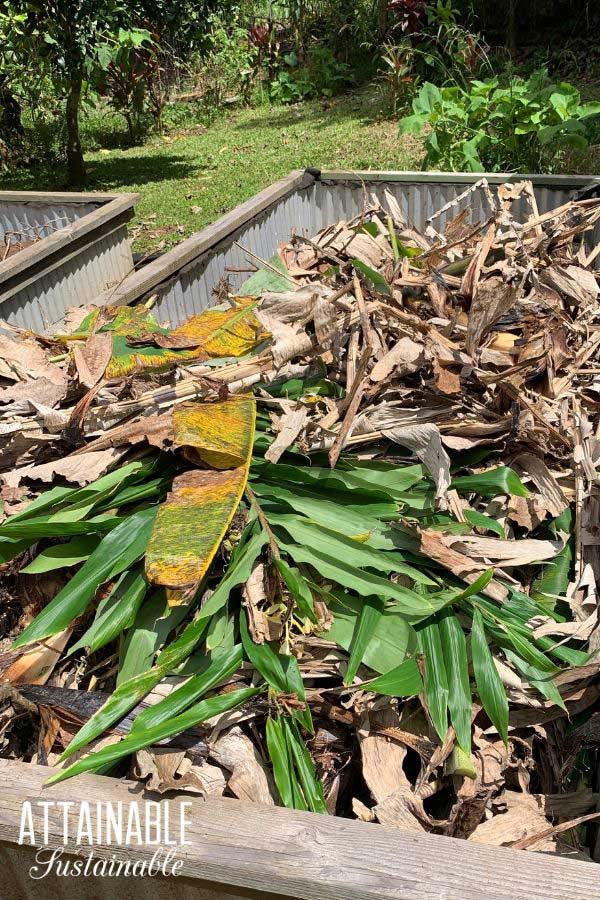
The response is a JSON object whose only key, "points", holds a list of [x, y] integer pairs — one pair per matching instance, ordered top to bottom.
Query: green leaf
{"points": [[376, 279], [267, 280], [501, 480], [57, 498], [481, 520], [336, 545], [10, 547], [116, 552], [61, 555], [238, 573], [553, 580], [480, 584], [298, 587], [412, 605], [116, 612], [368, 619], [152, 625], [217, 628], [392, 639], [454, 648], [265, 660], [221, 666], [436, 680], [540, 680], [402, 681], [490, 688], [121, 701], [203, 710], [283, 771], [311, 787]]}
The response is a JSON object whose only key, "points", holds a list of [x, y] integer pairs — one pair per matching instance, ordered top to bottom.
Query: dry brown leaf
{"points": [[493, 300], [406, 356], [92, 358], [24, 360], [42, 390], [289, 427], [81, 469], [439, 547], [35, 664], [165, 770], [250, 778], [524, 817]]}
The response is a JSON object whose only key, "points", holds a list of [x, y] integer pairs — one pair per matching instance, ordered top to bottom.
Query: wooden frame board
{"points": [[257, 851]]}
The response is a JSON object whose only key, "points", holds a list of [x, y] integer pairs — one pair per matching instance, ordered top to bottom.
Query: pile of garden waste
{"points": [[331, 544]]}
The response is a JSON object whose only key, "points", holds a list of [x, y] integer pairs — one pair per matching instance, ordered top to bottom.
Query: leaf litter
{"points": [[332, 544]]}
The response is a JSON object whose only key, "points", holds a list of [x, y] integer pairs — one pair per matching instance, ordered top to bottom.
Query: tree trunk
{"points": [[382, 19], [511, 37], [10, 112], [74, 152]]}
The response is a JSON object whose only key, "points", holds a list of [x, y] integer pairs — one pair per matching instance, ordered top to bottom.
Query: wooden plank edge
{"points": [[466, 178], [49, 197], [39, 251], [154, 273], [296, 854]]}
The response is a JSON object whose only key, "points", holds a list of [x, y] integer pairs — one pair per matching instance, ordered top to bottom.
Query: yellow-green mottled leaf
{"points": [[230, 332], [126, 360], [220, 433], [192, 521], [190, 526]]}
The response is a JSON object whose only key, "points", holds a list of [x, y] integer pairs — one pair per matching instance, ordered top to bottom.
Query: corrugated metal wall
{"points": [[306, 211], [38, 220], [74, 275], [75, 281]]}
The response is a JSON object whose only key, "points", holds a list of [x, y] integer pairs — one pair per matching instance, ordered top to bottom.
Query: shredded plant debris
{"points": [[332, 544]]}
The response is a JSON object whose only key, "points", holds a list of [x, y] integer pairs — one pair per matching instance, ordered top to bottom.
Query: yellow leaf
{"points": [[230, 332], [220, 433], [192, 522], [190, 526]]}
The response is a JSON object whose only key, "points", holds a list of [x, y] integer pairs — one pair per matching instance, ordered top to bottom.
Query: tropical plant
{"points": [[127, 67], [396, 74], [321, 76], [521, 124], [343, 552]]}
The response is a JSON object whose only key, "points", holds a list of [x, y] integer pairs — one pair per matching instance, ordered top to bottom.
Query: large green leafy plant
{"points": [[497, 125], [343, 540]]}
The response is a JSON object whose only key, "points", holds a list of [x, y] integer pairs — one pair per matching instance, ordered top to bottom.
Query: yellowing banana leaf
{"points": [[230, 332], [141, 344], [128, 360], [221, 434], [192, 521], [190, 526]]}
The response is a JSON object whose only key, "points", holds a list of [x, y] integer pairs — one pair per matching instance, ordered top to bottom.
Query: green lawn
{"points": [[191, 177]]}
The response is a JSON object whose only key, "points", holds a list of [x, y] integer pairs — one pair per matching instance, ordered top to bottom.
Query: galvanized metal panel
{"points": [[307, 210], [38, 220], [76, 247], [97, 266]]}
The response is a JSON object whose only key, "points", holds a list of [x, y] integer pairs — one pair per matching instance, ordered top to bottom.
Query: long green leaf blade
{"points": [[115, 553], [368, 619], [454, 647], [223, 665], [436, 681], [489, 685], [201, 711]]}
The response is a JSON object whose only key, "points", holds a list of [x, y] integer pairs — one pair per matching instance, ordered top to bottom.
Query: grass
{"points": [[192, 176]]}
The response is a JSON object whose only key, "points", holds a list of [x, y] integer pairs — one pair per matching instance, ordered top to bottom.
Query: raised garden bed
{"points": [[59, 250], [479, 337]]}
